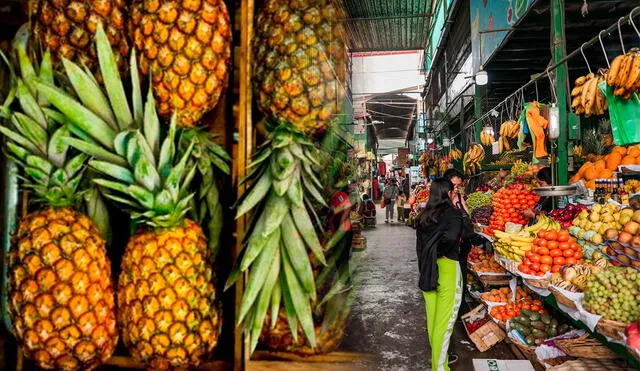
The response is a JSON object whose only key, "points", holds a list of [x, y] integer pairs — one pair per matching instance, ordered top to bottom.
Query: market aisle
{"points": [[388, 319]]}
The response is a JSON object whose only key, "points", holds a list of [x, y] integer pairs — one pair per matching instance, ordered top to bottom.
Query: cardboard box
{"points": [[486, 336], [502, 365]]}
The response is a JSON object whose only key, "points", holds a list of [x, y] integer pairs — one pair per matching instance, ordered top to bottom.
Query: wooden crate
{"points": [[486, 336]]}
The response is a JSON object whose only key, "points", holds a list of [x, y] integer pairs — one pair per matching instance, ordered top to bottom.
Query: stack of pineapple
{"points": [[62, 296]]}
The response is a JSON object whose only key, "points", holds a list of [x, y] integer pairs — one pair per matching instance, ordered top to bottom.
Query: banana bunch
{"points": [[624, 74], [587, 98], [508, 130], [486, 138], [577, 151], [455, 154], [472, 158], [443, 165], [519, 168], [544, 222], [512, 245]]}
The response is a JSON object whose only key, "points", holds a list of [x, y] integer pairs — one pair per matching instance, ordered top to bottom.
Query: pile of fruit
{"points": [[624, 74], [587, 97], [508, 130], [472, 159], [603, 166], [519, 168], [632, 186], [478, 199], [508, 204], [482, 215], [566, 215], [592, 226], [629, 233], [512, 245], [551, 250], [477, 255], [625, 255], [488, 266], [573, 277], [614, 294], [504, 295], [509, 311], [534, 327]]}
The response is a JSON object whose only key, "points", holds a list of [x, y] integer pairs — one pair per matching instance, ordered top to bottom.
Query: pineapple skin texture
{"points": [[68, 27], [186, 47], [300, 63], [61, 293], [166, 298]]}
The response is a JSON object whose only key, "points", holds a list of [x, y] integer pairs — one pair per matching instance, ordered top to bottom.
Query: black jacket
{"points": [[440, 240]]}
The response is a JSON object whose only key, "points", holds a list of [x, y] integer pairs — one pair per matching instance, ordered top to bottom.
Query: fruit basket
{"points": [[561, 298], [612, 329], [585, 346]]}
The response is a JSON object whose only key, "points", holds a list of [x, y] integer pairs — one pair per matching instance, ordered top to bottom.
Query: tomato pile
{"points": [[508, 204], [551, 250], [511, 310]]}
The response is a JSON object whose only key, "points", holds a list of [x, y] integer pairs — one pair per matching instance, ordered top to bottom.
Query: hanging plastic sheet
{"points": [[625, 116]]}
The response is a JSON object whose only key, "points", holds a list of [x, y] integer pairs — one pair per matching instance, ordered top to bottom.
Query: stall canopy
{"points": [[380, 25], [527, 48]]}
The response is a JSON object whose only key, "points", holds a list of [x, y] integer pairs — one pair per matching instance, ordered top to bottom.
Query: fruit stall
{"points": [[155, 156]]}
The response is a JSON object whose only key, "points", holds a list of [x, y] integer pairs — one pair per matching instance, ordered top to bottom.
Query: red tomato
{"points": [[542, 234], [551, 235], [563, 236], [542, 242], [552, 244], [564, 245], [574, 245], [543, 251], [555, 252], [528, 253], [568, 253], [578, 255], [535, 258], [546, 259], [559, 260], [571, 260], [527, 262], [535, 267], [545, 268], [555, 268], [525, 269], [540, 274]]}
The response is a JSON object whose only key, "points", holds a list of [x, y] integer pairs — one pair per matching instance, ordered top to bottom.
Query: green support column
{"points": [[561, 75], [477, 110]]}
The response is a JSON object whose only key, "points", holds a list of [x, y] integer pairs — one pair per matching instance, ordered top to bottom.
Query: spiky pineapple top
{"points": [[300, 63], [36, 141]]}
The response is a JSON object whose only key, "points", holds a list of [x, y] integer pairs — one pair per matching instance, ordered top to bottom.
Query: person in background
{"points": [[457, 179], [406, 185], [375, 188], [390, 193], [400, 201], [545, 204], [368, 207], [406, 210], [441, 228]]}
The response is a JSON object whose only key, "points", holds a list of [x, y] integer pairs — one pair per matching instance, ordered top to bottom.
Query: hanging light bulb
{"points": [[482, 78], [554, 122]]}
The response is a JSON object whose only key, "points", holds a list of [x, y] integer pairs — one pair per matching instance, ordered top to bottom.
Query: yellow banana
{"points": [[625, 68], [614, 69], [634, 73], [580, 81], [577, 90]]}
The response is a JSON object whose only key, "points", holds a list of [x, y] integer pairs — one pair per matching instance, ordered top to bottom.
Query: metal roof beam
{"points": [[389, 17]]}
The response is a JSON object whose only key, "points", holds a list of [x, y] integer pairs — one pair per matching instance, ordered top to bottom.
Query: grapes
{"points": [[613, 294]]}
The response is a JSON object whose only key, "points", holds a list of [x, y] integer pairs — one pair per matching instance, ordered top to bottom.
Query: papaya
{"points": [[620, 150], [633, 151], [613, 160], [628, 160], [600, 165], [584, 168], [591, 173], [605, 174]]}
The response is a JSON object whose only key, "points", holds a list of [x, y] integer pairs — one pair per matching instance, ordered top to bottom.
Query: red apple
{"points": [[632, 329]]}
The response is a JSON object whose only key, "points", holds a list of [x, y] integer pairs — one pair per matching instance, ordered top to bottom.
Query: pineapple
{"points": [[67, 27], [186, 48], [300, 63], [300, 66], [61, 294], [166, 297]]}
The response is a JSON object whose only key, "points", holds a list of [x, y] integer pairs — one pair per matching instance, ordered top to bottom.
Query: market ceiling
{"points": [[385, 25], [526, 50], [391, 114]]}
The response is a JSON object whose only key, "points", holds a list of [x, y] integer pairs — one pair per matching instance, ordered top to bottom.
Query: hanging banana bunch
{"points": [[624, 74], [587, 98], [508, 130], [486, 138], [455, 154], [472, 159]]}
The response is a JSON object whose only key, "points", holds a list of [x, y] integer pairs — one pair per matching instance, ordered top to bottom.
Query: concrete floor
{"points": [[388, 316]]}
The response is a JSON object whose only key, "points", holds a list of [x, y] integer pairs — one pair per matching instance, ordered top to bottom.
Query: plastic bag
{"points": [[625, 116]]}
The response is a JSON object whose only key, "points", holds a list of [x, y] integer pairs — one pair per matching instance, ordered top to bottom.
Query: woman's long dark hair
{"points": [[439, 201]]}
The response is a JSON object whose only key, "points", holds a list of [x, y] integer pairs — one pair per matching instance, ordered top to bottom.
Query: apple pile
{"points": [[550, 251]]}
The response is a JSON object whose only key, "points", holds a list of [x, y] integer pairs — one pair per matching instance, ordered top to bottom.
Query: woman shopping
{"points": [[441, 228]]}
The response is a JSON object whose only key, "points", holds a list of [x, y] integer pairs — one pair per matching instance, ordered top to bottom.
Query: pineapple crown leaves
{"points": [[35, 140], [275, 251]]}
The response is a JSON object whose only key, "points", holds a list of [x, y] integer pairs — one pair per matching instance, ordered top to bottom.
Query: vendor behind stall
{"points": [[545, 204]]}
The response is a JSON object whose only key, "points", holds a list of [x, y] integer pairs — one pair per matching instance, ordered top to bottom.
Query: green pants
{"points": [[442, 311]]}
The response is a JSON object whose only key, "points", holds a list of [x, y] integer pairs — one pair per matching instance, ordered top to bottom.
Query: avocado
{"points": [[525, 312], [534, 316], [546, 319], [523, 320], [554, 322], [539, 325], [563, 328], [525, 331], [553, 331], [530, 340]]}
